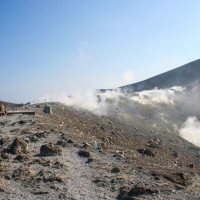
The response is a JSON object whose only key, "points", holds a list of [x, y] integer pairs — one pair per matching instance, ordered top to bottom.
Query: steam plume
{"points": [[93, 101], [190, 130]]}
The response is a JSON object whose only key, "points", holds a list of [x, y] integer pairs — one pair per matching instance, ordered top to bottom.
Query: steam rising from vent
{"points": [[157, 96], [93, 101], [188, 101], [98, 102], [190, 131]]}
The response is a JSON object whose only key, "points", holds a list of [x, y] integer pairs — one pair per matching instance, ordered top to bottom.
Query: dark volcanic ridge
{"points": [[180, 76]]}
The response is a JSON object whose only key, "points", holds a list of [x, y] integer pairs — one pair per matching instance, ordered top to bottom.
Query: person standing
{"points": [[2, 109], [6, 110]]}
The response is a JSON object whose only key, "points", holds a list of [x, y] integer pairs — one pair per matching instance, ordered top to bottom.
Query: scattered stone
{"points": [[21, 122], [3, 123], [41, 135], [33, 138], [2, 141], [70, 141], [62, 143], [154, 143], [19, 146], [50, 150], [147, 152], [84, 154], [119, 154], [175, 154], [5, 155], [23, 157], [90, 160], [42, 161], [57, 165], [191, 165], [4, 167], [115, 170], [22, 173], [7, 177], [53, 178], [179, 178], [100, 183], [2, 185], [40, 192], [127, 193]]}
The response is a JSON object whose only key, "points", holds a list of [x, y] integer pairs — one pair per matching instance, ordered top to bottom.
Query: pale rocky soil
{"points": [[133, 158]]}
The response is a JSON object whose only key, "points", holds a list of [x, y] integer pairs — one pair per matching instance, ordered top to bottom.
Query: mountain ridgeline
{"points": [[180, 76]]}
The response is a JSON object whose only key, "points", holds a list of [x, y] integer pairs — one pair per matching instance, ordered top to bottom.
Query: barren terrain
{"points": [[133, 152]]}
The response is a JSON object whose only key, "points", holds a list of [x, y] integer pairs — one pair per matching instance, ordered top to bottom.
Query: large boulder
{"points": [[19, 146], [50, 150]]}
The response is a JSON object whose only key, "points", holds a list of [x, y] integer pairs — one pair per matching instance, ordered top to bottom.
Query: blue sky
{"points": [[50, 46]]}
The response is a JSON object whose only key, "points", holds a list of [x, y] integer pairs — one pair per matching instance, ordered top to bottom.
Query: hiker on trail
{"points": [[2, 109]]}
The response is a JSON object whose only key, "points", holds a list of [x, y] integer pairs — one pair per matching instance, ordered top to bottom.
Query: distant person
{"points": [[2, 109], [6, 110]]}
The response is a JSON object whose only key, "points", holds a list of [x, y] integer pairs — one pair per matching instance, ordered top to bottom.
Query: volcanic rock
{"points": [[21, 122], [154, 143], [19, 146], [50, 150], [147, 152], [84, 154], [5, 155], [23, 157], [115, 170], [22, 173], [179, 178], [2, 185], [139, 189]]}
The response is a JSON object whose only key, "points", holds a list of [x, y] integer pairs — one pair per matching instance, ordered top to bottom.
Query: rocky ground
{"points": [[74, 154]]}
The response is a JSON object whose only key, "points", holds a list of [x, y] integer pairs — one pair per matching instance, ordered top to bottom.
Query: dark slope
{"points": [[180, 76], [177, 77]]}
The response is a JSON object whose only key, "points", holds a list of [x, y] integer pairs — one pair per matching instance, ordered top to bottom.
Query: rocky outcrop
{"points": [[19, 146], [50, 150], [134, 191]]}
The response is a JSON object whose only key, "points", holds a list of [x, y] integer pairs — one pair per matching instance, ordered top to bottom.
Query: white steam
{"points": [[157, 96], [93, 101], [188, 101], [190, 131]]}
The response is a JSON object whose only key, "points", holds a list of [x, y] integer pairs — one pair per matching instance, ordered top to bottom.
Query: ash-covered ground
{"points": [[130, 150]]}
